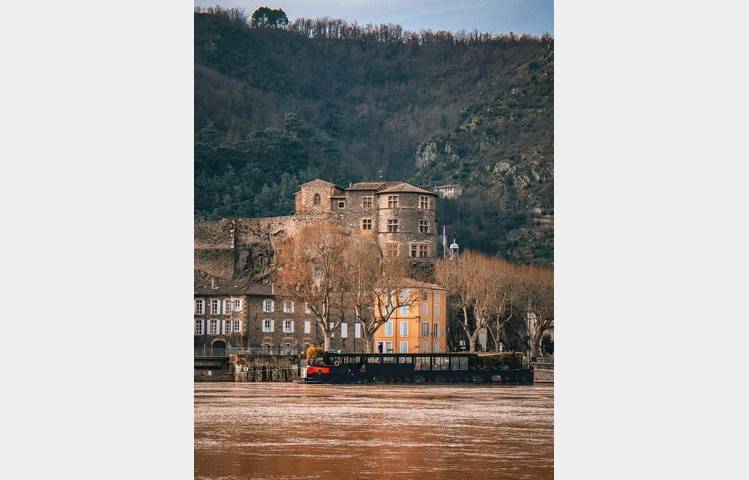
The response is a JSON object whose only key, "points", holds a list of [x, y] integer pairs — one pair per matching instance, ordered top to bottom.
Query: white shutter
{"points": [[272, 325], [223, 326], [240, 326], [292, 326], [203, 327]]}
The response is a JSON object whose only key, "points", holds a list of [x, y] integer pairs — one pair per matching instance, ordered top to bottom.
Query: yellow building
{"points": [[418, 328]]}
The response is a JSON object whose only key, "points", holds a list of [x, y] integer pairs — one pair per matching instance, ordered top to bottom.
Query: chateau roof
{"points": [[319, 180], [366, 186], [405, 188], [231, 287]]}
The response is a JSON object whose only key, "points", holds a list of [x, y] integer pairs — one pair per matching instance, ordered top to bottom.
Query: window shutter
{"points": [[240, 305], [272, 325], [240, 326], [292, 326], [203, 327], [223, 327]]}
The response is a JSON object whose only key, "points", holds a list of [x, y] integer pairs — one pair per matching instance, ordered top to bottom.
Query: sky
{"points": [[495, 16]]}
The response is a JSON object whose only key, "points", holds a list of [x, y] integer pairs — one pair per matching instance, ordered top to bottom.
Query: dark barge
{"points": [[505, 368]]}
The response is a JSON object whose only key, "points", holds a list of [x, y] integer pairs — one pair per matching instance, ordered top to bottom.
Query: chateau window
{"points": [[316, 199], [392, 201], [366, 202], [423, 202], [341, 203], [366, 224], [393, 225], [423, 226], [391, 250], [412, 250], [423, 251], [228, 304], [237, 305], [267, 305], [199, 307], [215, 307], [288, 307], [404, 310], [267, 325], [237, 326], [288, 326], [307, 326], [198, 327], [213, 327], [389, 328], [404, 328], [425, 329], [344, 330], [357, 330], [436, 330], [388, 347], [403, 347]]}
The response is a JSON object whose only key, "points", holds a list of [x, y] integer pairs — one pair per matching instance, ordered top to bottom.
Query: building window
{"points": [[316, 199], [392, 201], [366, 202], [423, 202], [341, 203], [366, 224], [392, 225], [423, 226], [391, 250], [412, 251], [423, 251], [237, 305], [267, 305], [436, 306], [199, 307], [215, 307], [228, 307], [288, 307], [424, 308], [405, 310], [267, 325], [237, 326], [288, 326], [307, 326], [198, 327], [213, 327], [389, 328], [404, 328], [425, 329], [436, 329], [331, 330], [344, 330], [357, 330], [388, 347], [403, 347], [425, 347], [437, 347]]}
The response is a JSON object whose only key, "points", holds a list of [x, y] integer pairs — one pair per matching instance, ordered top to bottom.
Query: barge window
{"points": [[373, 359], [389, 359], [352, 360], [405, 360], [422, 363], [441, 363], [459, 363]]}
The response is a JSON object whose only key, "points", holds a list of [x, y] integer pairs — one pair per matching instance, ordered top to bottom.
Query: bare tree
{"points": [[311, 270], [504, 279], [536, 285], [375, 287]]}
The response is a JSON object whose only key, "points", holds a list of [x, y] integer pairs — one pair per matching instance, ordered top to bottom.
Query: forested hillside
{"points": [[277, 106]]}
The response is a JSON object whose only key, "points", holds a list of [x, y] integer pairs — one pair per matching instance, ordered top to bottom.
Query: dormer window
{"points": [[316, 199]]}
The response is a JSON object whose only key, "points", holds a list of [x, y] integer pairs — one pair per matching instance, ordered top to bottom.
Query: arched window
{"points": [[316, 199]]}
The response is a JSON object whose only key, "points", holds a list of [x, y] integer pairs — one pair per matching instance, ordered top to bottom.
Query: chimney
{"points": [[213, 284]]}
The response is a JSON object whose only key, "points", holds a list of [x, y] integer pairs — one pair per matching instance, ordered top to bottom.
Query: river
{"points": [[291, 431]]}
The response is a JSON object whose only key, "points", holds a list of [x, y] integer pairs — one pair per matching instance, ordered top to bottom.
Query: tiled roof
{"points": [[319, 180], [366, 186], [405, 188], [411, 283], [231, 287]]}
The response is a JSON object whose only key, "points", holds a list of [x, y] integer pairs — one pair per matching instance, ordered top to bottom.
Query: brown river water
{"points": [[293, 431]]}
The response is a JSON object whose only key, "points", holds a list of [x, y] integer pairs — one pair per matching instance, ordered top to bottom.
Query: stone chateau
{"points": [[399, 216]]}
